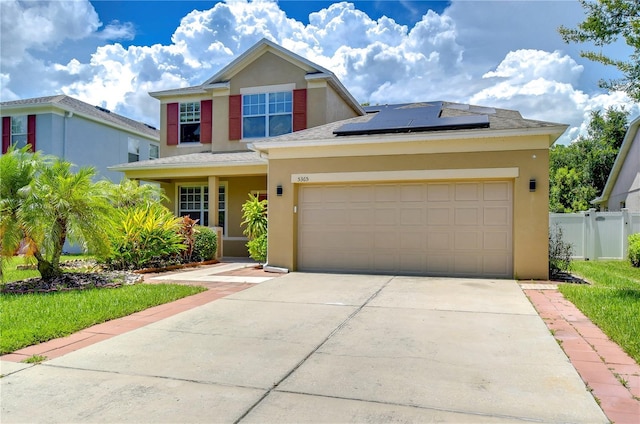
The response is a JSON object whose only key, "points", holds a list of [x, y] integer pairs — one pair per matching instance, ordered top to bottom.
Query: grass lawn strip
{"points": [[612, 302], [35, 318]]}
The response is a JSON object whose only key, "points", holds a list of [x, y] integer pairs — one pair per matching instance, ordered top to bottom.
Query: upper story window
{"points": [[267, 114], [190, 122], [19, 131], [134, 149], [154, 151]]}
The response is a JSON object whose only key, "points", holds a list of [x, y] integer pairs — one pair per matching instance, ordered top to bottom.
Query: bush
{"points": [[145, 236], [205, 244], [258, 248], [634, 250], [560, 252]]}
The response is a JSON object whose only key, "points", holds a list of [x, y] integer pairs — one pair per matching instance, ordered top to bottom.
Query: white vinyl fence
{"points": [[597, 235]]}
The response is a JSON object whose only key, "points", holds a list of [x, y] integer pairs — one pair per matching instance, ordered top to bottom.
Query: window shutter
{"points": [[299, 109], [173, 112], [235, 117], [206, 125], [31, 132], [6, 133]]}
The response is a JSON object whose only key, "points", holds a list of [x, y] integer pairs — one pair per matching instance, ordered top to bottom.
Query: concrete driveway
{"points": [[320, 348]]}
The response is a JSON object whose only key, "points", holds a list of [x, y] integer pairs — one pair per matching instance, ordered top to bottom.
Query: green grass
{"points": [[11, 273], [612, 302], [34, 318]]}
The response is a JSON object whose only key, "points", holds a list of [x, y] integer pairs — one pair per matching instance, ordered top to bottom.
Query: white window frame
{"points": [[266, 91], [189, 116], [20, 137], [157, 147], [133, 149], [222, 185], [180, 212]]}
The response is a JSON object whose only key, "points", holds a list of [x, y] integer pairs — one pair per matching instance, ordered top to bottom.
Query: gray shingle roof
{"points": [[74, 105], [499, 119], [197, 159]]}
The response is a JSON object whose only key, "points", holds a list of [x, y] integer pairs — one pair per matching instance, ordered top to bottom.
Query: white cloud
{"points": [[503, 54]]}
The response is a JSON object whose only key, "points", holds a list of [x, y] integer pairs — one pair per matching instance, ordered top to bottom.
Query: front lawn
{"points": [[12, 273], [612, 301], [29, 319]]}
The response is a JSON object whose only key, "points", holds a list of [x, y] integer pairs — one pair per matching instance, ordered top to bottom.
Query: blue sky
{"points": [[498, 53]]}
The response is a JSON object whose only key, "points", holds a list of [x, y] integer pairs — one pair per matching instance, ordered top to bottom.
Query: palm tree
{"points": [[18, 167], [130, 193], [60, 205]]}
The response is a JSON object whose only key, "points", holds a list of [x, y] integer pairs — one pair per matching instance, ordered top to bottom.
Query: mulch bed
{"points": [[565, 277], [71, 281]]}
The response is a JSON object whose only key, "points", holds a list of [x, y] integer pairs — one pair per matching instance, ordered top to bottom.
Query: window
{"points": [[267, 114], [190, 122], [19, 131], [134, 150], [154, 151], [194, 202]]}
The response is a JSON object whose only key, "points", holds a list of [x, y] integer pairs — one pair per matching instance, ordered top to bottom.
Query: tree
{"points": [[606, 21], [17, 169], [579, 172], [130, 193], [60, 205]]}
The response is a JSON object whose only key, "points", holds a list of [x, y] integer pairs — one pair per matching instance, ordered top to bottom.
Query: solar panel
{"points": [[411, 117]]}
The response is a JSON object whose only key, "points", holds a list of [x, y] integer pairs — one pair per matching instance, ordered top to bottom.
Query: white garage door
{"points": [[436, 228]]}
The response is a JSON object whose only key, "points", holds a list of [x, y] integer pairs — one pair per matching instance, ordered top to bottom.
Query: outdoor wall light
{"points": [[532, 184], [279, 190]]}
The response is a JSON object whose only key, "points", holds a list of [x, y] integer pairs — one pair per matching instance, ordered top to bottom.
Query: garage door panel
{"points": [[500, 215], [467, 216], [423, 228]]}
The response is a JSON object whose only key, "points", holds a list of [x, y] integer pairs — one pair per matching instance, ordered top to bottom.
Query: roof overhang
{"points": [[632, 131], [454, 141]]}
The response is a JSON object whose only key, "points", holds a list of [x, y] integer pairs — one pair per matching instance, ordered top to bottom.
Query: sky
{"points": [[505, 54]]}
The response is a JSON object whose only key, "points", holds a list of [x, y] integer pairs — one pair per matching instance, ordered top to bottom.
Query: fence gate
{"points": [[597, 235]]}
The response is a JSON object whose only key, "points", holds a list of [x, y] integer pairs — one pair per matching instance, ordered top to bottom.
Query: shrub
{"points": [[187, 231], [144, 236], [205, 244], [258, 248], [634, 250], [560, 252]]}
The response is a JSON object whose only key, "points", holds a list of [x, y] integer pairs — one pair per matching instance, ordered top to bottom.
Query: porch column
{"points": [[213, 201]]}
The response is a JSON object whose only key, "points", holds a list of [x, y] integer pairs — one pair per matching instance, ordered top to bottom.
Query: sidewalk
{"points": [[601, 363]]}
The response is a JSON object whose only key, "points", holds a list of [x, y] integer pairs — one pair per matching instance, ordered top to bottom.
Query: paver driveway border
{"points": [[314, 348]]}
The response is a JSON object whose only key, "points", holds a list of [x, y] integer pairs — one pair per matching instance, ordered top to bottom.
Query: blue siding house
{"points": [[78, 132]]}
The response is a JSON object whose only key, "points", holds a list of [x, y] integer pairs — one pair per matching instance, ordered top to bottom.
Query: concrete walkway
{"points": [[320, 348]]}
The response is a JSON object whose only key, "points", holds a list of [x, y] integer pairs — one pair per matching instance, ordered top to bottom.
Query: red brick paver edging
{"points": [[58, 347], [612, 376]]}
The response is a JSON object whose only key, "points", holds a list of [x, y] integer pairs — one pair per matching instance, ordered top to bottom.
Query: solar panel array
{"points": [[411, 117]]}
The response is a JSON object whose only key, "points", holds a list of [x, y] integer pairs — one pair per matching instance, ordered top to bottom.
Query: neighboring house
{"points": [[78, 132], [431, 188], [622, 189]]}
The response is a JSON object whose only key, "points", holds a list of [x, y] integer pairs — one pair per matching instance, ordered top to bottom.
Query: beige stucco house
{"points": [[431, 188], [622, 189]]}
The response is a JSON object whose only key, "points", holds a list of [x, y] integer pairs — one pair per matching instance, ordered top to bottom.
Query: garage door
{"points": [[436, 228]]}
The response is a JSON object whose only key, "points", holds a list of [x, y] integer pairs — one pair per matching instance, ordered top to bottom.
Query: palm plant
{"points": [[18, 167], [130, 193], [61, 205], [254, 215]]}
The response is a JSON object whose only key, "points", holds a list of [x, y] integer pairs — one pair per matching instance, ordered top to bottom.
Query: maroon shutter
{"points": [[299, 109], [173, 112], [235, 117], [206, 125], [31, 132], [6, 133]]}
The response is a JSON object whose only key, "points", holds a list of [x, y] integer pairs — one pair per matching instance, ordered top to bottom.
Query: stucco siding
{"points": [[530, 209]]}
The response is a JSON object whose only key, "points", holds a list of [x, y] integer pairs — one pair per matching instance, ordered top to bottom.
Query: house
{"points": [[78, 132], [434, 188], [622, 189]]}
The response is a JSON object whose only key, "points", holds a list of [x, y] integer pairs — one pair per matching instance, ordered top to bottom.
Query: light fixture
{"points": [[532, 184], [279, 190]]}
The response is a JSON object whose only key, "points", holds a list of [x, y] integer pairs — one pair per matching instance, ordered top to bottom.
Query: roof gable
{"points": [[258, 49], [632, 135]]}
